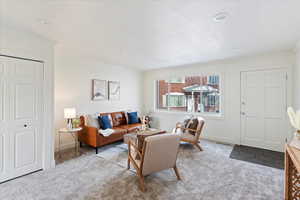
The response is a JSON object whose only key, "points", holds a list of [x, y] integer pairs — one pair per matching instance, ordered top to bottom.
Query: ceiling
{"points": [[148, 34]]}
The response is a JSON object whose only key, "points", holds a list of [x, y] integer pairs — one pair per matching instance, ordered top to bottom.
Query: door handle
{"points": [[243, 113], [25, 125]]}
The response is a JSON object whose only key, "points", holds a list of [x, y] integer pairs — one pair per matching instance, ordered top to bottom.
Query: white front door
{"points": [[23, 107], [263, 109]]}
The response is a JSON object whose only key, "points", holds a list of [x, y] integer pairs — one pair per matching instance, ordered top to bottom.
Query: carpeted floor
{"points": [[207, 175]]}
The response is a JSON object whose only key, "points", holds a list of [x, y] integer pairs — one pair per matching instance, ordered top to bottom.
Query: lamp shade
{"points": [[70, 113]]}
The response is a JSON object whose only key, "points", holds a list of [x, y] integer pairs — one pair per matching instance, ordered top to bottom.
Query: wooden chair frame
{"points": [[197, 132], [139, 169]]}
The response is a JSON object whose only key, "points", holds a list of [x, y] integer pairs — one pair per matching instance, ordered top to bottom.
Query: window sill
{"points": [[212, 116]]}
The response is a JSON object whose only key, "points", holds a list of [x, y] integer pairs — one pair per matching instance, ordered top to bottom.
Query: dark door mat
{"points": [[258, 156]]}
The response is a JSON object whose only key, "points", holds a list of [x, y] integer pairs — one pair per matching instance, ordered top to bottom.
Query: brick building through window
{"points": [[189, 94]]}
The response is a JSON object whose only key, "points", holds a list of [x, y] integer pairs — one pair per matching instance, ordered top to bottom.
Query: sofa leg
{"points": [[96, 148]]}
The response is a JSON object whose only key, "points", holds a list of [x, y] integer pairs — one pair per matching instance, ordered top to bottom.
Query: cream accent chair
{"points": [[188, 137], [159, 153]]}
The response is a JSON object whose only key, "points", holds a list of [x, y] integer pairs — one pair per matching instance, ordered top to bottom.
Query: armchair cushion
{"points": [[188, 136], [160, 152]]}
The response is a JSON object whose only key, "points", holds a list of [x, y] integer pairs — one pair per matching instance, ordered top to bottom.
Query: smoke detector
{"points": [[221, 16]]}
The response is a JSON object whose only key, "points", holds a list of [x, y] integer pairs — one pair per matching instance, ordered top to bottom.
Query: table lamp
{"points": [[69, 114]]}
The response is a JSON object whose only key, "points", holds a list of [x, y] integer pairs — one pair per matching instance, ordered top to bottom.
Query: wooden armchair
{"points": [[186, 136], [159, 153]]}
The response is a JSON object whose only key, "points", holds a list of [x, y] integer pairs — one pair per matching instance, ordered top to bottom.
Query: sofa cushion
{"points": [[133, 118], [118, 119], [106, 122], [131, 127], [119, 130], [113, 131]]}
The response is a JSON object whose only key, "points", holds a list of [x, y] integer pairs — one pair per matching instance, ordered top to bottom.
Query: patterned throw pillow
{"points": [[186, 122], [193, 123]]}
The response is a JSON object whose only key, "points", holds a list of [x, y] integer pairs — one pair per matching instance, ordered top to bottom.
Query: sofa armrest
{"points": [[88, 135]]}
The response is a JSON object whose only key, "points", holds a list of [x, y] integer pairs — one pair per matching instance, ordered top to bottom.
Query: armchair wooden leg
{"points": [[198, 146], [128, 163], [177, 172], [142, 182]]}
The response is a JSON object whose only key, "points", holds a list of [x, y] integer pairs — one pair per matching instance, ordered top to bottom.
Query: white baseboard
{"points": [[220, 140], [53, 164]]}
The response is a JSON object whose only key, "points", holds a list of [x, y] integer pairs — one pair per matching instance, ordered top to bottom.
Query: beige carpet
{"points": [[208, 175]]}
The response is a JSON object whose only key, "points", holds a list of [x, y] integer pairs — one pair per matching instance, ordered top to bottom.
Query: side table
{"points": [[73, 132], [292, 173]]}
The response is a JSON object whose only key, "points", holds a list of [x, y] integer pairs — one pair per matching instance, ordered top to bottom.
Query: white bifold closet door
{"points": [[21, 124]]}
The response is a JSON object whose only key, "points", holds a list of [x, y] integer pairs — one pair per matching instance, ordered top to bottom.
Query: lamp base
{"points": [[69, 124]]}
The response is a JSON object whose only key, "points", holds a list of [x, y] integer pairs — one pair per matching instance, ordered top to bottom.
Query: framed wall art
{"points": [[99, 90], [114, 90]]}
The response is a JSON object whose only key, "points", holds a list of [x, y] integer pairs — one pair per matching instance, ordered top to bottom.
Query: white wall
{"points": [[21, 43], [297, 79], [73, 87], [226, 128]]}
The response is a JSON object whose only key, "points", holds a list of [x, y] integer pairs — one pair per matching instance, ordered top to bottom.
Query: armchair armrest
{"points": [[189, 129]]}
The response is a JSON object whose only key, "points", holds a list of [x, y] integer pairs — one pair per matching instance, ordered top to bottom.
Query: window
{"points": [[213, 80], [199, 94], [174, 100]]}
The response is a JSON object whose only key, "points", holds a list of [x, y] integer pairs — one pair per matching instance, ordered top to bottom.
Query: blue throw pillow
{"points": [[133, 118], [100, 122], [105, 122]]}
